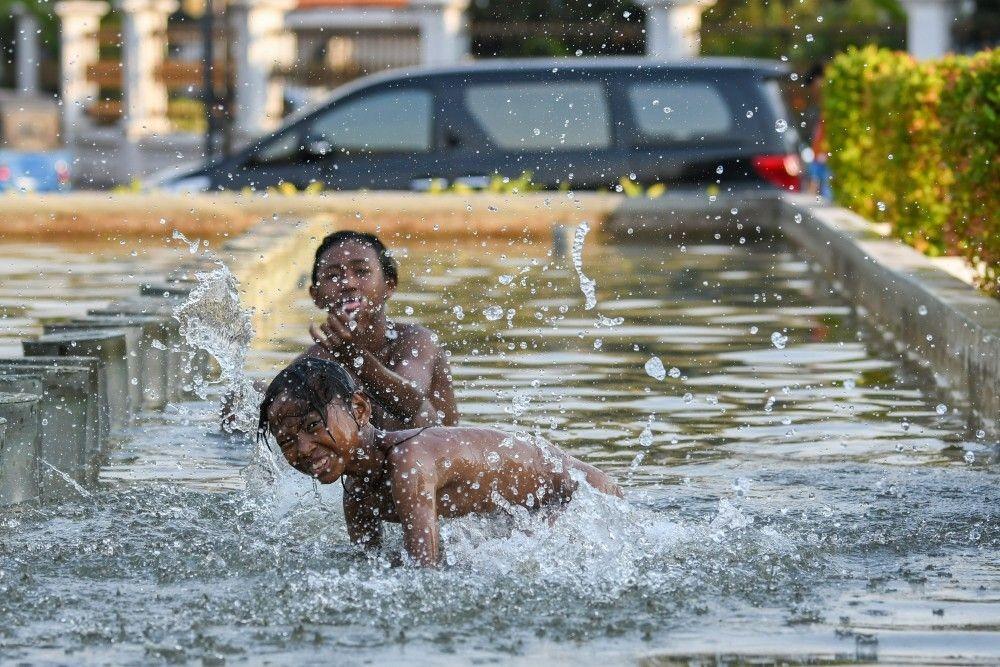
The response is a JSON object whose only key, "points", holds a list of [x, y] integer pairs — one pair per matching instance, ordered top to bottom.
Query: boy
{"points": [[401, 365], [321, 422]]}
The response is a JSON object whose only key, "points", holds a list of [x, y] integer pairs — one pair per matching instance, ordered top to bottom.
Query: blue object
{"points": [[34, 172], [819, 173]]}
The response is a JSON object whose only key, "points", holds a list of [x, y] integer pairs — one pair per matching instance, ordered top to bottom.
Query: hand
{"points": [[334, 337]]}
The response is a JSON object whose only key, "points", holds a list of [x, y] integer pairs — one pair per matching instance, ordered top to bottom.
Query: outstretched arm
{"points": [[416, 505]]}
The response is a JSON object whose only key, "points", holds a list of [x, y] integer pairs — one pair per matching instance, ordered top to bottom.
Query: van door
{"points": [[555, 126], [378, 138]]}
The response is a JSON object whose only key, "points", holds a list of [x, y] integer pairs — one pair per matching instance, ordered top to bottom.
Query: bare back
{"points": [[450, 472]]}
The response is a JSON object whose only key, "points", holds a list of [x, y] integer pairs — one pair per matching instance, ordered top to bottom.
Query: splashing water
{"points": [[587, 286], [213, 319]]}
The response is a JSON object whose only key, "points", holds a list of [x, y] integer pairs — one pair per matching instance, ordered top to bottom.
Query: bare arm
{"points": [[405, 389], [415, 498], [363, 526]]}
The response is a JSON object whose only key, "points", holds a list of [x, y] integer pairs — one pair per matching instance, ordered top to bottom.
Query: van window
{"points": [[681, 111], [548, 116], [392, 121], [283, 148]]}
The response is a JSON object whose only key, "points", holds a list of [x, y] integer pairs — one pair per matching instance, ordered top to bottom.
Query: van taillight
{"points": [[783, 171]]}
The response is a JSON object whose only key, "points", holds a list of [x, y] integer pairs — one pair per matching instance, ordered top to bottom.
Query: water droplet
{"points": [[749, 114], [780, 125], [536, 131], [718, 169], [880, 205], [798, 218], [505, 279], [922, 309], [459, 313], [493, 313], [754, 330], [779, 340], [654, 368], [674, 372], [688, 397], [941, 408], [980, 434], [646, 437], [970, 457]]}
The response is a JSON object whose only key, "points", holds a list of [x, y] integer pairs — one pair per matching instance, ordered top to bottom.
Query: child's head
{"points": [[353, 273], [315, 412]]}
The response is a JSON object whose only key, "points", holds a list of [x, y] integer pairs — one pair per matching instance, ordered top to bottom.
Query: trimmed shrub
{"points": [[970, 99], [915, 144]]}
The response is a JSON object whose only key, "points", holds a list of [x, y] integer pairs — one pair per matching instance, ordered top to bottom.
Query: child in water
{"points": [[403, 366], [321, 422]]}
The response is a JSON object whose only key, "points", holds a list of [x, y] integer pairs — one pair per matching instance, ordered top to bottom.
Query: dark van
{"points": [[582, 124]]}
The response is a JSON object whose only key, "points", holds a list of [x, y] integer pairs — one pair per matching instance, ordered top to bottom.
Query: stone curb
{"points": [[939, 322]]}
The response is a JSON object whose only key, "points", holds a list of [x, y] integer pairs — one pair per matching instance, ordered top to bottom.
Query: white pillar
{"points": [[79, 21], [673, 27], [928, 27], [443, 36], [259, 43], [144, 48], [26, 49]]}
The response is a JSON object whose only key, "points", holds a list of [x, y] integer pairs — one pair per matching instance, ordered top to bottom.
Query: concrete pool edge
{"points": [[939, 322]]}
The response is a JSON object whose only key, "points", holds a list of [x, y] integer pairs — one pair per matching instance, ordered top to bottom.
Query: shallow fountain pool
{"points": [[794, 492]]}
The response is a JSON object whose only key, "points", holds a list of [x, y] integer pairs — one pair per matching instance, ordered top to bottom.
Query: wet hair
{"points": [[389, 268], [316, 382]]}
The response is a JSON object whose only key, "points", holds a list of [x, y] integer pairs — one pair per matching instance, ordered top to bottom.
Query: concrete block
{"points": [[167, 289], [146, 340], [107, 346], [184, 364], [70, 414], [97, 421], [19, 441]]}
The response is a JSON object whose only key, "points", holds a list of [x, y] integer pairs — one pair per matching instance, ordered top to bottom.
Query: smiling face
{"points": [[350, 282], [316, 448]]}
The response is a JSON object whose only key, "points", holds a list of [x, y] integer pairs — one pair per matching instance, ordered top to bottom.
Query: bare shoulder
{"points": [[416, 336], [417, 452]]}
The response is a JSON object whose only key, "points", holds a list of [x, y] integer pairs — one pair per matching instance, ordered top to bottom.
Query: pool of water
{"points": [[40, 279], [793, 492]]}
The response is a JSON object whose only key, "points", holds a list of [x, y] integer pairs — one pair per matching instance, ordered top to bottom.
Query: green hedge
{"points": [[916, 144]]}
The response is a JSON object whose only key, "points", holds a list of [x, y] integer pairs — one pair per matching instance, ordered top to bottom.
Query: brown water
{"points": [[806, 500]]}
